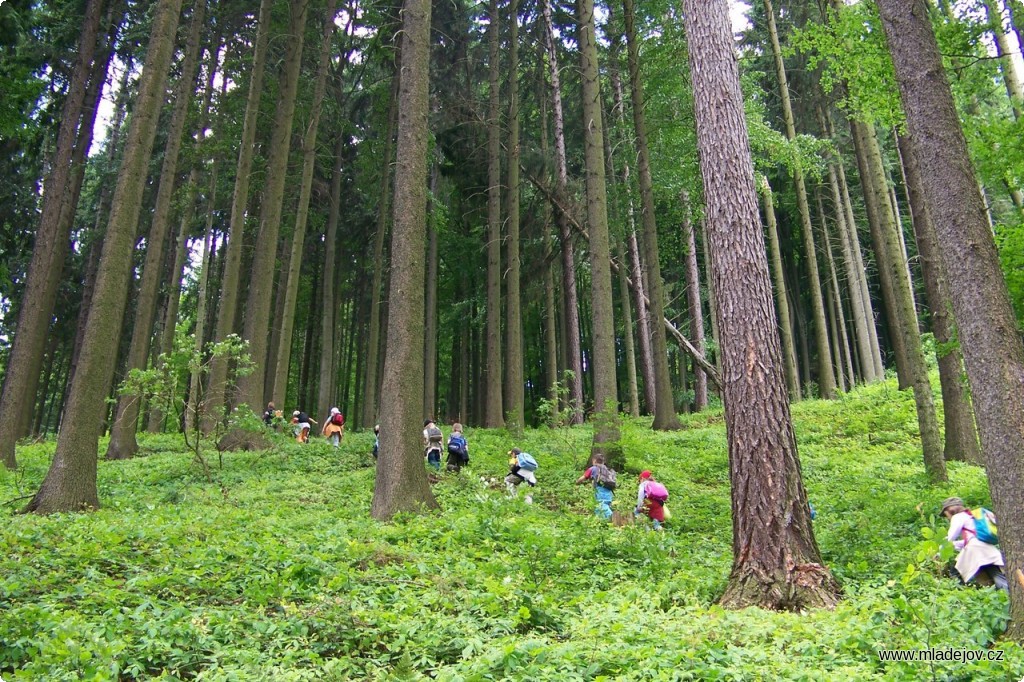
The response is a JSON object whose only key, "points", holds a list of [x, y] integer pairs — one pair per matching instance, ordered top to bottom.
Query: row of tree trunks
{"points": [[49, 251], [781, 292], [227, 309], [571, 336], [991, 345], [252, 387], [279, 390], [665, 417], [123, 443], [70, 482]]}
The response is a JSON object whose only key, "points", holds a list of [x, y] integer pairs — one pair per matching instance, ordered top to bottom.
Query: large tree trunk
{"points": [[49, 249], [781, 293], [258, 301], [899, 306], [227, 311], [571, 320], [550, 321], [628, 347], [993, 354], [826, 376], [372, 381], [700, 384], [279, 390], [515, 400], [606, 402], [494, 414], [958, 415], [665, 417], [122, 443], [70, 483], [401, 484], [776, 562]]}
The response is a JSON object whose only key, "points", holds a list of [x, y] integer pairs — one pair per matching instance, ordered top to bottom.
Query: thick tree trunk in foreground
{"points": [[48, 251], [227, 310], [993, 353], [251, 387], [606, 402], [958, 415], [122, 433], [70, 483], [401, 483], [776, 562]]}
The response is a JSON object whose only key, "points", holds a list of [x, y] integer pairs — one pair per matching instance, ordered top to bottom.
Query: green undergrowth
{"points": [[275, 571]]}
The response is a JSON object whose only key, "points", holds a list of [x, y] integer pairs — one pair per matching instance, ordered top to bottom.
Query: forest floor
{"points": [[277, 572]]}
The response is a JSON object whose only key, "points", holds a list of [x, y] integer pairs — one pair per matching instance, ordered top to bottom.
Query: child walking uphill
{"points": [[303, 423], [334, 427], [432, 439], [458, 448], [521, 466], [603, 479], [650, 499], [974, 534]]}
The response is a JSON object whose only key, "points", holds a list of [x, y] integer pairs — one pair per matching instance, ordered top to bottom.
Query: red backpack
{"points": [[338, 419]]}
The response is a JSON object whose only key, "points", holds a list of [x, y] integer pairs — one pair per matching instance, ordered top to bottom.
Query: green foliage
{"points": [[1010, 240], [278, 572]]}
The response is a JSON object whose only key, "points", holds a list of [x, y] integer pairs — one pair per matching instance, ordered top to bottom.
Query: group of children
{"points": [[333, 428]]}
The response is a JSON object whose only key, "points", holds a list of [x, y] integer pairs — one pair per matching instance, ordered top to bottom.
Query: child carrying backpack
{"points": [[334, 427], [432, 438], [458, 448], [521, 467], [604, 481], [650, 499], [974, 535]]}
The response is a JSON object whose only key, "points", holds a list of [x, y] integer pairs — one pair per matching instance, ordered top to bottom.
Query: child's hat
{"points": [[295, 413], [645, 474], [951, 502]]}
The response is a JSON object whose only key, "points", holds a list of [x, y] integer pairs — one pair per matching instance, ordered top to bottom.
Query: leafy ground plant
{"points": [[277, 571]]}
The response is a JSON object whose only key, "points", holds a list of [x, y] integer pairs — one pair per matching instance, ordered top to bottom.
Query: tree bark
{"points": [[49, 250], [781, 293], [258, 301], [899, 307], [430, 308], [227, 311], [696, 313], [571, 338], [628, 347], [993, 353], [826, 375], [372, 382], [327, 385], [279, 391], [515, 399], [606, 403], [494, 413], [958, 415], [665, 418], [123, 444], [70, 483], [401, 484], [776, 562]]}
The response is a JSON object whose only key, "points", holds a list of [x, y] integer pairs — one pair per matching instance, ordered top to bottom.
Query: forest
{"points": [[772, 252]]}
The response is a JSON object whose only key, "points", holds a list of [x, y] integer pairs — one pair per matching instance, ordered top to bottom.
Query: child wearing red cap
{"points": [[650, 499]]}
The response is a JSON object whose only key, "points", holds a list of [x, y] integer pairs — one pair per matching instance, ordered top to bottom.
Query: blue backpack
{"points": [[457, 446], [526, 461], [985, 528]]}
